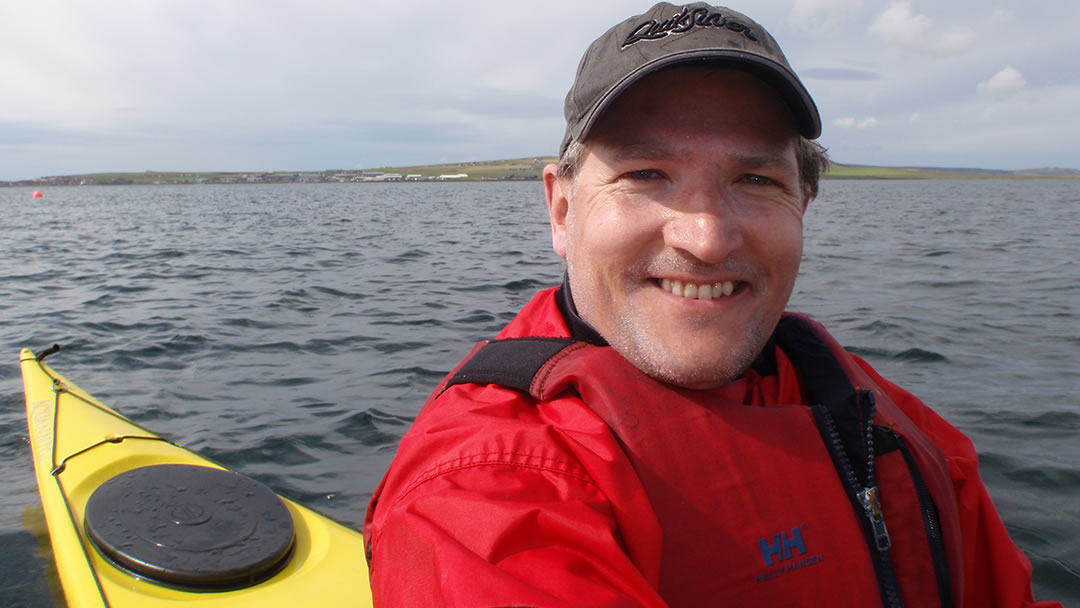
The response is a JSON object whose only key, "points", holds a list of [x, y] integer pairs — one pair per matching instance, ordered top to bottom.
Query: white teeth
{"points": [[699, 292]]}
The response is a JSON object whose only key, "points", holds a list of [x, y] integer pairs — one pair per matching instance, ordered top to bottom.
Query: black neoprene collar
{"points": [[579, 329]]}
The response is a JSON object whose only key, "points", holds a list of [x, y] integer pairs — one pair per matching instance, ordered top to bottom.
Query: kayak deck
{"points": [[79, 443]]}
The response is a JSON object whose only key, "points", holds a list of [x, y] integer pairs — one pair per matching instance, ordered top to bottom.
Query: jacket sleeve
{"points": [[504, 515], [996, 572]]}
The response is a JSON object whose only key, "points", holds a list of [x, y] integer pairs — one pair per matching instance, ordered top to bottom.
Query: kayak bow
{"points": [[136, 520]]}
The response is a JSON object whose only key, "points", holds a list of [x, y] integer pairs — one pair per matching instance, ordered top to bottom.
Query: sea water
{"points": [[292, 331]]}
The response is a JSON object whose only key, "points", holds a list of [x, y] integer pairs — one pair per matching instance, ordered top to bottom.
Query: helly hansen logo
{"points": [[782, 546], [779, 552]]}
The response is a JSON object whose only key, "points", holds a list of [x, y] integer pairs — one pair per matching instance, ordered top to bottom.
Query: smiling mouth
{"points": [[694, 291]]}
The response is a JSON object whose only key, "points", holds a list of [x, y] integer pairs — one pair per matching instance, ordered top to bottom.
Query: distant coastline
{"points": [[520, 169]]}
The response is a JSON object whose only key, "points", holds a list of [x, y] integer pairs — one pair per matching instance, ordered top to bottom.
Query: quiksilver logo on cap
{"points": [[685, 21]]}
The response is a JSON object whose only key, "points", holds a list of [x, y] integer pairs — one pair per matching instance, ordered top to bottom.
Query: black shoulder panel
{"points": [[511, 363], [823, 377], [825, 382]]}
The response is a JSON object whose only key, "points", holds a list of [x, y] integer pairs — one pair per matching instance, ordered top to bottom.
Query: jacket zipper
{"points": [[864, 493], [931, 519]]}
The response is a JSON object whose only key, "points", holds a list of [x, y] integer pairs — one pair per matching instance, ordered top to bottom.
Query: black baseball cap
{"points": [[669, 34]]}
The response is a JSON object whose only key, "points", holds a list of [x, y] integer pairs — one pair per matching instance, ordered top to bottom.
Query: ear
{"points": [[557, 192]]}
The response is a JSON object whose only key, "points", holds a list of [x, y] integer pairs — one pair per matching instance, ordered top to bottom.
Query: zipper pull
{"points": [[869, 500]]}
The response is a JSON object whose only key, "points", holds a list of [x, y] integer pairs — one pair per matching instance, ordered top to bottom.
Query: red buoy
{"points": [[38, 194]]}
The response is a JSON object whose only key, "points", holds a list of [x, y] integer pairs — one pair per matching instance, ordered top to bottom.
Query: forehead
{"points": [[695, 96], [696, 111]]}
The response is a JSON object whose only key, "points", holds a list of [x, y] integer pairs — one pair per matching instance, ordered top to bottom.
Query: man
{"points": [[658, 431]]}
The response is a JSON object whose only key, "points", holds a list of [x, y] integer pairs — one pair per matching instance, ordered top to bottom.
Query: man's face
{"points": [[682, 231]]}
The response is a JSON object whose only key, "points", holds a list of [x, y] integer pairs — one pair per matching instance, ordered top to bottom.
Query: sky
{"points": [[265, 85]]}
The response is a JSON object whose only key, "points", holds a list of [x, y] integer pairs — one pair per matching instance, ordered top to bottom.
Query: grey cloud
{"points": [[839, 74], [505, 104], [408, 132], [20, 133], [36, 133]]}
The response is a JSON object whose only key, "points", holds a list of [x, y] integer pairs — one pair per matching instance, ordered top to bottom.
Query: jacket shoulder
{"points": [[484, 427]]}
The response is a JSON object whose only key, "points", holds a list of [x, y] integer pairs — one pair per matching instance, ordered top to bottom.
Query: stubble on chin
{"points": [[659, 358], [662, 361], [669, 361]]}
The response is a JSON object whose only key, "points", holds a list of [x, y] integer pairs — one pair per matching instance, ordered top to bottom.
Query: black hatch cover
{"points": [[191, 526]]}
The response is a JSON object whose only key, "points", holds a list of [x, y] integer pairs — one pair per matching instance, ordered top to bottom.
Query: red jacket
{"points": [[499, 499]]}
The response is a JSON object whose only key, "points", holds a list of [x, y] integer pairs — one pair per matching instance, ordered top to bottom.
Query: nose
{"points": [[706, 227]]}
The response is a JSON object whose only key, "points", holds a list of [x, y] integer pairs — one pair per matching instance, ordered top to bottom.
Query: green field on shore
{"points": [[501, 169], [511, 169]]}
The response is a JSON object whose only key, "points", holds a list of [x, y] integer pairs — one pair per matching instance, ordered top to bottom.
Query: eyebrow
{"points": [[647, 150], [764, 160]]}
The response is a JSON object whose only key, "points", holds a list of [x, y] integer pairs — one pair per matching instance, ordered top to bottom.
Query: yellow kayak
{"points": [[136, 520]]}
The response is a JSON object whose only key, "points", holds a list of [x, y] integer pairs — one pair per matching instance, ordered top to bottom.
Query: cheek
{"points": [[598, 235], [780, 239], [788, 250]]}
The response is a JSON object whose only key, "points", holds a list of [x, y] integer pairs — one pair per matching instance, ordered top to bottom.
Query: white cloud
{"points": [[817, 14], [1003, 15], [900, 27], [954, 42], [1004, 83], [915, 117], [850, 122]]}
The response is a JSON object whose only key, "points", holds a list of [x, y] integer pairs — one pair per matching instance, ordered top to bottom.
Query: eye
{"points": [[643, 174], [758, 180]]}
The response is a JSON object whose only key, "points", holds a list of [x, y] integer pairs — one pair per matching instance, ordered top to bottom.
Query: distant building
{"points": [[454, 176], [382, 177]]}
